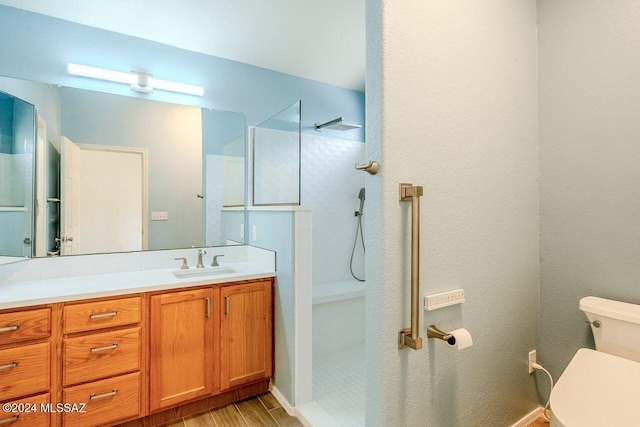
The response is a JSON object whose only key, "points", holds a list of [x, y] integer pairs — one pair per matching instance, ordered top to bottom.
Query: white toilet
{"points": [[601, 388]]}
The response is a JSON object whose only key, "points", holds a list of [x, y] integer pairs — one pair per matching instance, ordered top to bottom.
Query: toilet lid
{"points": [[597, 390]]}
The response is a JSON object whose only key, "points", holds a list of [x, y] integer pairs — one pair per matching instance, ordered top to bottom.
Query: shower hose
{"points": [[355, 241]]}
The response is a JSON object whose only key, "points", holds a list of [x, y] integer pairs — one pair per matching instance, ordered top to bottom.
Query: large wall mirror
{"points": [[87, 172]]}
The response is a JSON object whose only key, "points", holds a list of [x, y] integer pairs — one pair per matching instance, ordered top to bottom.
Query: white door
{"points": [[69, 197], [113, 199]]}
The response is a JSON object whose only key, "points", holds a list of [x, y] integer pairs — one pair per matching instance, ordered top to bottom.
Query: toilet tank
{"points": [[619, 331]]}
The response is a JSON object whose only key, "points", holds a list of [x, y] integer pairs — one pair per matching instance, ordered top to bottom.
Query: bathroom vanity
{"points": [[149, 349]]}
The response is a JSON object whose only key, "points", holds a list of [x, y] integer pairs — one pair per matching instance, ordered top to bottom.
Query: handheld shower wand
{"points": [[361, 197], [359, 214]]}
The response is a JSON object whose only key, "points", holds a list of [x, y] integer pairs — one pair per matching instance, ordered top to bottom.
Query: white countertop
{"points": [[23, 294]]}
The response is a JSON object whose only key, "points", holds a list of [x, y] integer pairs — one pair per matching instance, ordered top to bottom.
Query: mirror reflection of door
{"points": [[69, 197], [41, 200], [105, 210]]}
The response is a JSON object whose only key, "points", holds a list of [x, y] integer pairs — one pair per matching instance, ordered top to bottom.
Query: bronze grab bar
{"points": [[410, 337]]}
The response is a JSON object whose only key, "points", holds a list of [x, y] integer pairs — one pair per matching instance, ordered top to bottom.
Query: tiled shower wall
{"points": [[330, 185]]}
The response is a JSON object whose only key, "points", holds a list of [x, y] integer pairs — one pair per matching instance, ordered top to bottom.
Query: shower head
{"points": [[336, 124]]}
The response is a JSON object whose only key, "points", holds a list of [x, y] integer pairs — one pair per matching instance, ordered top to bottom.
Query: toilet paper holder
{"points": [[434, 332]]}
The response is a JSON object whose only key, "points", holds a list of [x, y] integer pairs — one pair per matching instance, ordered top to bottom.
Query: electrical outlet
{"points": [[159, 216], [443, 299], [532, 360]]}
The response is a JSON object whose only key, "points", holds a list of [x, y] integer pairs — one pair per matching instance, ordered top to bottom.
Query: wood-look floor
{"points": [[259, 411], [540, 422]]}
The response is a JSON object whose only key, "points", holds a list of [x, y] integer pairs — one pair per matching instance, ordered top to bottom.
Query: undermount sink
{"points": [[207, 271]]}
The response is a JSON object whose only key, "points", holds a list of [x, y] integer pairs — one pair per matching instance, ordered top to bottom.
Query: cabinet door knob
{"points": [[208, 301], [227, 306]]}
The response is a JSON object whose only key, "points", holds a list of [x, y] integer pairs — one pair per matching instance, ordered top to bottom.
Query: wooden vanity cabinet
{"points": [[246, 333], [208, 340], [183, 346], [150, 355], [102, 360], [26, 374], [34, 417]]}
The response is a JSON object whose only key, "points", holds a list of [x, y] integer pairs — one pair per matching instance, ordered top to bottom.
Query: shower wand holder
{"points": [[371, 167]]}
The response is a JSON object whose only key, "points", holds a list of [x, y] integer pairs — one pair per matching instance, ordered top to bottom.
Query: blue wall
{"points": [[41, 46], [220, 128]]}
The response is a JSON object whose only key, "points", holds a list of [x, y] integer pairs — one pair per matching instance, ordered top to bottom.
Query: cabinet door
{"points": [[247, 330], [182, 346]]}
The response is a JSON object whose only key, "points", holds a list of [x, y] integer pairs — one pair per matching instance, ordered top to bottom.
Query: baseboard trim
{"points": [[291, 410], [313, 415], [530, 417]]}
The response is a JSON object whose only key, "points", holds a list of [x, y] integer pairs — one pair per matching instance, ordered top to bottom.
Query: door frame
{"points": [[42, 207]]}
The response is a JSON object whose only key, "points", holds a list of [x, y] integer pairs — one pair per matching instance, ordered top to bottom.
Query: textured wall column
{"points": [[452, 105]]}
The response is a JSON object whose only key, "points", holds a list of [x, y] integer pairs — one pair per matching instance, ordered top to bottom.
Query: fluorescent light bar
{"points": [[101, 74], [139, 82], [175, 86]]}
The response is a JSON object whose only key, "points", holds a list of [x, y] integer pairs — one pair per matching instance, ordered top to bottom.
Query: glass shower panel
{"points": [[17, 136], [276, 159]]}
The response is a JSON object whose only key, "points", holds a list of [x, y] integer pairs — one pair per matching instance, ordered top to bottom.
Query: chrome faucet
{"points": [[200, 253], [215, 261]]}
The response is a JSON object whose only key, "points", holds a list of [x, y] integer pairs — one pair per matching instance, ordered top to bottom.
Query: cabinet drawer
{"points": [[101, 314], [25, 325], [101, 355], [24, 370], [106, 400], [28, 413]]}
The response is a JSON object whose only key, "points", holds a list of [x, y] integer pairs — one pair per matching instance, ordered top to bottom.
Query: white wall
{"points": [[455, 83], [589, 165], [276, 167], [330, 185]]}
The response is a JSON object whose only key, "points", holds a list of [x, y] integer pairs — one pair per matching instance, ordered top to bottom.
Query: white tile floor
{"points": [[338, 385]]}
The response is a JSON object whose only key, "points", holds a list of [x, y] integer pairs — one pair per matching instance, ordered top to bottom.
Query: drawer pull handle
{"points": [[227, 308], [208, 313], [103, 315], [10, 328], [109, 347], [9, 366], [103, 395], [9, 420]]}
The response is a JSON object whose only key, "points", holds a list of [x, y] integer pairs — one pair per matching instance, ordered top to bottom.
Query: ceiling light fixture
{"points": [[139, 81]]}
